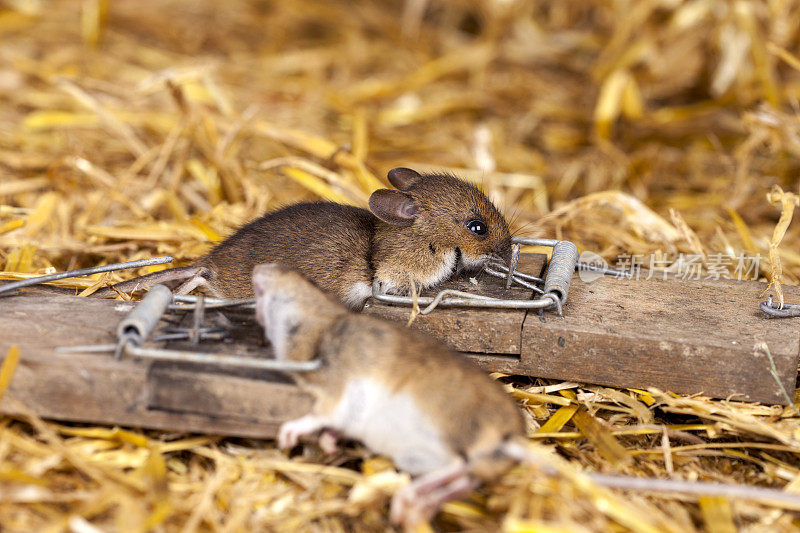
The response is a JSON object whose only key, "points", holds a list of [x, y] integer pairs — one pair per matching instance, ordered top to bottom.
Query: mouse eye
{"points": [[478, 227]]}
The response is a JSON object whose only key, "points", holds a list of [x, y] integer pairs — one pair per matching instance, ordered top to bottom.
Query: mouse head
{"points": [[446, 212], [278, 286], [284, 302]]}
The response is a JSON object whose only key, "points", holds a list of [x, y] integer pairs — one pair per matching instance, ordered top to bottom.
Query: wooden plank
{"points": [[493, 331], [684, 336], [687, 336], [94, 388]]}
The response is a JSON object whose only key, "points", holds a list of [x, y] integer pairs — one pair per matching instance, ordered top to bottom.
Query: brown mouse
{"points": [[429, 228], [400, 392]]}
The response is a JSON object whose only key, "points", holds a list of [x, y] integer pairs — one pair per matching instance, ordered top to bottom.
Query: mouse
{"points": [[425, 230], [400, 392]]}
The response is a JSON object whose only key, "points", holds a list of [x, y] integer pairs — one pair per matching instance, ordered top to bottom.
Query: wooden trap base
{"points": [[685, 336], [95, 388]]}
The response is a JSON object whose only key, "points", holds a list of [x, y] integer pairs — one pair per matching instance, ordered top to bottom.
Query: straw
{"points": [[131, 130]]}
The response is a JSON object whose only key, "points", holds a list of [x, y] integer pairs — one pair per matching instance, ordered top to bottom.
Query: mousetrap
{"points": [[199, 365]]}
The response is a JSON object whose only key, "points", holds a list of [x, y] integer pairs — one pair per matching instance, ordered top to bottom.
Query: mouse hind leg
{"points": [[171, 278], [199, 280], [418, 501]]}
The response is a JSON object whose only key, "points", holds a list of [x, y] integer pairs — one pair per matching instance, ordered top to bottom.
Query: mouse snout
{"points": [[503, 250]]}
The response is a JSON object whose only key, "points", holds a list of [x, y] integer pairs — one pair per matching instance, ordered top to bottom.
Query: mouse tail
{"points": [[171, 278], [521, 450], [487, 463]]}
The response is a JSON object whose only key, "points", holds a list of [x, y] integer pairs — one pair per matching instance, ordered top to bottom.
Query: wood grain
{"points": [[684, 336]]}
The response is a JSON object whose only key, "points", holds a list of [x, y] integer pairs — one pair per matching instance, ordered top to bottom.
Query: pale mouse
{"points": [[400, 392]]}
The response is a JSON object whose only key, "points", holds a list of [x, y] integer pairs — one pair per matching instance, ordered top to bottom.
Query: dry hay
{"points": [[135, 129]]}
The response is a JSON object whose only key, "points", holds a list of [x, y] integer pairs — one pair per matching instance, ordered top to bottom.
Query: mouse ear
{"points": [[403, 178], [393, 207]]}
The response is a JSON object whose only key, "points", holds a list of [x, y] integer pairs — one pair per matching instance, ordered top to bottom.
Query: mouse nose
{"points": [[504, 251]]}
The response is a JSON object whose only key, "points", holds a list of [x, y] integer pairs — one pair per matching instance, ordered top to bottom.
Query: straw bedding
{"points": [[134, 129]]}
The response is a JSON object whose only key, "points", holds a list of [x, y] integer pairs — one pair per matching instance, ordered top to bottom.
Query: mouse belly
{"points": [[392, 425]]}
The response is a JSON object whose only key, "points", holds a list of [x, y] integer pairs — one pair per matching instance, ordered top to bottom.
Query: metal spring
{"points": [[560, 269]]}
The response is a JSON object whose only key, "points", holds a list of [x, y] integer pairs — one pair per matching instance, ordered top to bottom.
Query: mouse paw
{"points": [[397, 289], [290, 432], [287, 438], [328, 441], [420, 500], [401, 503], [407, 510], [410, 510]]}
